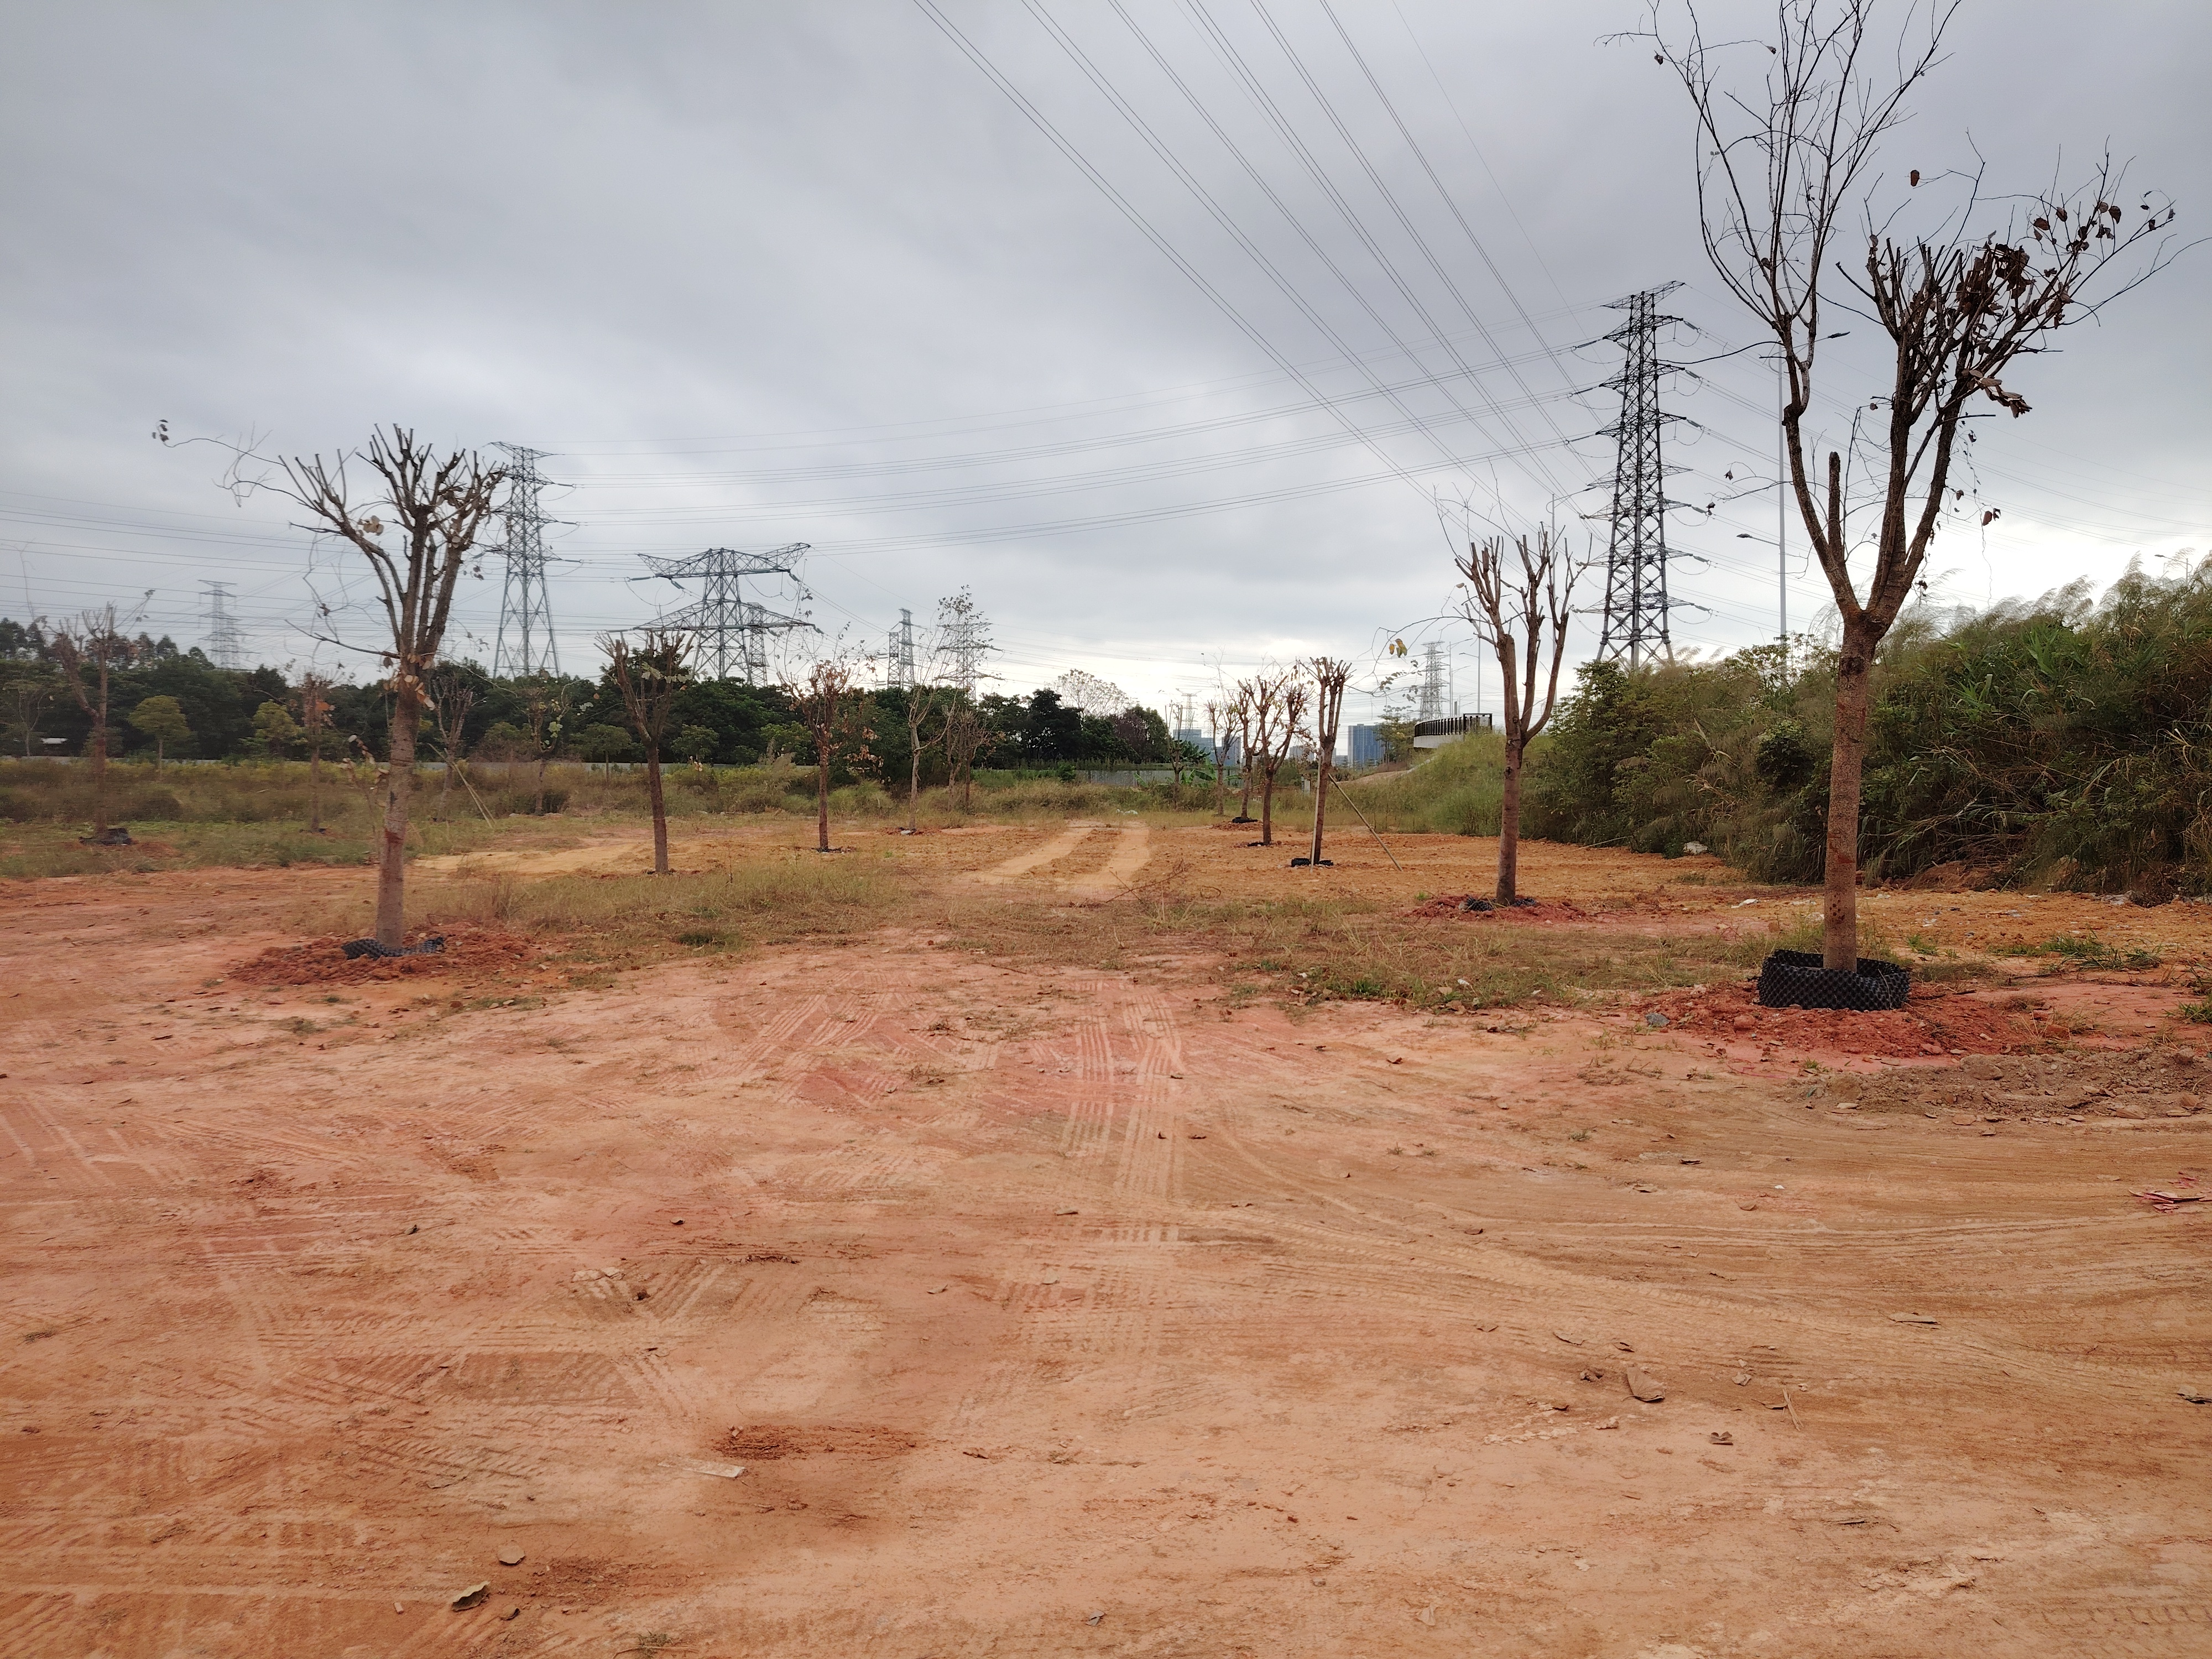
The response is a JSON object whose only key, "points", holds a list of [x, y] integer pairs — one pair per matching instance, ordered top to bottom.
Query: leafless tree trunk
{"points": [[1962, 292], [438, 507], [1511, 602], [95, 645], [650, 676], [1330, 678], [450, 697], [314, 698], [32, 700], [1277, 705], [546, 706], [828, 706], [1240, 712], [964, 737], [1220, 772]]}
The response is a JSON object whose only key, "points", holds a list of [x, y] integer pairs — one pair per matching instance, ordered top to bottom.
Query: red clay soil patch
{"points": [[1446, 905], [469, 951], [1932, 1022], [765, 1442]]}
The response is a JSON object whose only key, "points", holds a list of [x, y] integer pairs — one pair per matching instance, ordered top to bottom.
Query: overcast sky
{"points": [[762, 274]]}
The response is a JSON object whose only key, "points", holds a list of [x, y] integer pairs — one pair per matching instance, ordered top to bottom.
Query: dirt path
{"points": [[1044, 1312]]}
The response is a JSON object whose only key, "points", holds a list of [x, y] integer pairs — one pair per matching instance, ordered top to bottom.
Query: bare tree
{"points": [[1785, 165], [438, 507], [1512, 600], [90, 650], [650, 676], [1330, 677], [32, 694], [314, 696], [927, 697], [449, 701], [828, 701], [546, 704], [1277, 705], [1214, 713], [1240, 714], [964, 737]]}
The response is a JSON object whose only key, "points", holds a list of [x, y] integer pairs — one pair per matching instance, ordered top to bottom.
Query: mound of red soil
{"points": [[1448, 904], [469, 951], [1931, 1023]]}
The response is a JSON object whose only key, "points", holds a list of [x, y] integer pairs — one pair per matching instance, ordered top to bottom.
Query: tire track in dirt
{"points": [[1133, 850], [1037, 857]]}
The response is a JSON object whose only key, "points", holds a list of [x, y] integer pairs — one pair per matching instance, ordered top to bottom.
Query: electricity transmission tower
{"points": [[1636, 602], [732, 629], [964, 635], [524, 645], [226, 648], [901, 652], [1430, 703]]}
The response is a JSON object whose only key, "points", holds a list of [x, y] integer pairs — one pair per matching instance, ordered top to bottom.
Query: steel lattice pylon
{"points": [[1636, 602], [732, 629], [963, 635], [524, 645], [226, 648], [901, 672]]}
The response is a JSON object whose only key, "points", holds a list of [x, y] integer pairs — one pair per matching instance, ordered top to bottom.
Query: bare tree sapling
{"points": [[1963, 285], [438, 506], [1519, 600], [89, 651], [650, 676], [1330, 678], [827, 702]]}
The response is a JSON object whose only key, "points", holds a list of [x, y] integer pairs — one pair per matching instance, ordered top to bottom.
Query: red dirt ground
{"points": [[470, 953], [1932, 1022], [883, 1299]]}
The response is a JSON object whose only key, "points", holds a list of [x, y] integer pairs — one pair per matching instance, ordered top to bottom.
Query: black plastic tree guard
{"points": [[356, 948], [1796, 979]]}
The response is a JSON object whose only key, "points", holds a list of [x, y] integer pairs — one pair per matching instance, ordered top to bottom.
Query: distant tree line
{"points": [[232, 714]]}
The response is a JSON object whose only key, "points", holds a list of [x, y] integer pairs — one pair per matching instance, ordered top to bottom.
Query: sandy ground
{"points": [[879, 1299]]}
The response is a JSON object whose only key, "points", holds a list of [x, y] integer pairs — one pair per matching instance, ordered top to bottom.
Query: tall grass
{"points": [[1458, 790]]}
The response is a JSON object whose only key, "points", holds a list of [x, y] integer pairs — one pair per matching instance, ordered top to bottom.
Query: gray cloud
{"points": [[763, 274]]}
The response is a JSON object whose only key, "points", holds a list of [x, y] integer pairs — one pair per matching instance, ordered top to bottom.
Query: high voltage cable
{"points": [[1285, 129], [1237, 152], [1383, 189], [1222, 217], [1473, 241], [1167, 248], [1014, 488]]}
